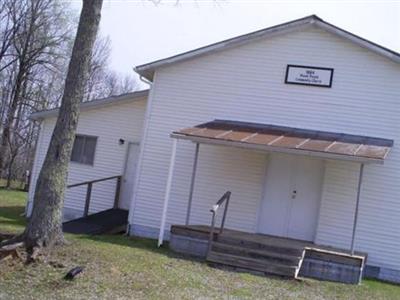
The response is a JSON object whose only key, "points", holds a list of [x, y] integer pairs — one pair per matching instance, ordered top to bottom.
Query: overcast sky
{"points": [[142, 32]]}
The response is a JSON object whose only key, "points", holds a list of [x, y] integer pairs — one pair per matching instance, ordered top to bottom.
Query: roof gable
{"points": [[147, 70]]}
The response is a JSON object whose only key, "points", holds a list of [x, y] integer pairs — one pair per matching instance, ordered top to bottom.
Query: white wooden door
{"points": [[128, 178], [291, 197]]}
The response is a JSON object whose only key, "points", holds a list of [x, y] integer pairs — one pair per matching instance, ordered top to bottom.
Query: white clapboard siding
{"points": [[247, 83], [109, 124], [217, 174], [336, 214]]}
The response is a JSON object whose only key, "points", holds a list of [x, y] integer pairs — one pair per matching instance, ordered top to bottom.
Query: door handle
{"points": [[294, 193]]}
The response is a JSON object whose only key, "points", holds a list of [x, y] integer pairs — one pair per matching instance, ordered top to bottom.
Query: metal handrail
{"points": [[92, 181], [89, 191], [224, 199]]}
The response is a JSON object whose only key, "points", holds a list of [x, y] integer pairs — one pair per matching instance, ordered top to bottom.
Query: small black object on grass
{"points": [[73, 273]]}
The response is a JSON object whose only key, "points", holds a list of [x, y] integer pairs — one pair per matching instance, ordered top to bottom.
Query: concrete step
{"points": [[262, 245], [264, 255], [252, 264]]}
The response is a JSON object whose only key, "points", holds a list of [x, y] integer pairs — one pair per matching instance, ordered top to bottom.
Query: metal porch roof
{"points": [[289, 140]]}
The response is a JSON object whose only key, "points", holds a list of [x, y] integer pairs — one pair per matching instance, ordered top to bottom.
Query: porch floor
{"points": [[203, 231], [269, 254]]}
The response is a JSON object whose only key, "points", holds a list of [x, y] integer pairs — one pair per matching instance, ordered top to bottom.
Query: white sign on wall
{"points": [[306, 75]]}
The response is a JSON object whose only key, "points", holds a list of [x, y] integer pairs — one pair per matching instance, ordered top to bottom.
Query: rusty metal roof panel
{"points": [[189, 130], [211, 133], [237, 135], [281, 137], [262, 138], [288, 141], [315, 145], [342, 148], [373, 151]]}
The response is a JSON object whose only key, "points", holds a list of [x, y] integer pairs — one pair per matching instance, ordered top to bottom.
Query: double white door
{"points": [[291, 197]]}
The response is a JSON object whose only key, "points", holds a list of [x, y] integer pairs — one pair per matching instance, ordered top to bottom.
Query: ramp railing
{"points": [[89, 191]]}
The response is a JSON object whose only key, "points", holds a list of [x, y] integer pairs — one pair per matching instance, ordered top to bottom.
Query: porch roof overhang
{"points": [[272, 138]]}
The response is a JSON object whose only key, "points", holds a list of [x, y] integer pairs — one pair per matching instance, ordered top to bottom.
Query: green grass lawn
{"points": [[15, 184], [118, 267]]}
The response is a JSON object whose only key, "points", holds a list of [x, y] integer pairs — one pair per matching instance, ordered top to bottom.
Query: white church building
{"points": [[299, 122]]}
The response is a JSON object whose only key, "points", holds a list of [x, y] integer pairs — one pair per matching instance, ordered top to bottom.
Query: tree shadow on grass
{"points": [[139, 243], [151, 245]]}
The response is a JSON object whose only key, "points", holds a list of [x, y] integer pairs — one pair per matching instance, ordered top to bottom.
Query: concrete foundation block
{"points": [[188, 245], [330, 271]]}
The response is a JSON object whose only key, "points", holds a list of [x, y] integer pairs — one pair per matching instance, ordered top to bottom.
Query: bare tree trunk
{"points": [[6, 135], [6, 138], [9, 170], [45, 225]]}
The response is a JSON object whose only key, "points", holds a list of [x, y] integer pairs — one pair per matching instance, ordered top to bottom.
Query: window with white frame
{"points": [[84, 149]]}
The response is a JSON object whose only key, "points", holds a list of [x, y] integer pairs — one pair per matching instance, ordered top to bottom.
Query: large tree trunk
{"points": [[45, 225]]}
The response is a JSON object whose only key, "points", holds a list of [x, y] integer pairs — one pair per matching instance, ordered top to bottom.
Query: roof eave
{"points": [[146, 73], [40, 115]]}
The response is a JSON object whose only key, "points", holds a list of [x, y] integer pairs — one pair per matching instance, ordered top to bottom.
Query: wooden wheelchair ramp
{"points": [[112, 220], [108, 221]]}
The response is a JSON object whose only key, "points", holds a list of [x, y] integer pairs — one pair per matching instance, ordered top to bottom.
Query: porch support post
{"points": [[196, 156], [167, 193], [357, 207]]}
